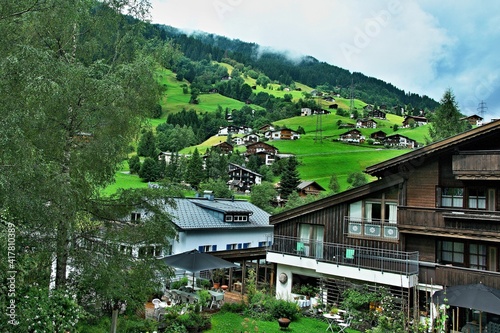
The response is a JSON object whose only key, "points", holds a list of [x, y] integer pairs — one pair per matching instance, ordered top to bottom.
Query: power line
{"points": [[481, 109]]}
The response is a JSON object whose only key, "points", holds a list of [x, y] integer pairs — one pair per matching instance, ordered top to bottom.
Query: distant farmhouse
{"points": [[418, 120], [474, 120], [366, 123], [282, 134], [352, 136], [242, 179]]}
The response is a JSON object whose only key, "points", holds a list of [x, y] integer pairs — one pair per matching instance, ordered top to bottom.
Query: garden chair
{"points": [[344, 325]]}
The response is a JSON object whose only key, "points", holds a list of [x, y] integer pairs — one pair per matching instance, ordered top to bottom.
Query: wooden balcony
{"points": [[477, 165], [466, 222], [378, 259], [445, 275]]}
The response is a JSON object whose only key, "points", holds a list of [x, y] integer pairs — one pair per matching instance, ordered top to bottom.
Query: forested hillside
{"points": [[277, 67]]}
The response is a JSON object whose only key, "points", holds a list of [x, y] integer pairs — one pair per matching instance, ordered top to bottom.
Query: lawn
{"points": [[228, 322]]}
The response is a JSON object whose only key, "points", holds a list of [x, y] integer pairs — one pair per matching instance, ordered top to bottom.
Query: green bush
{"points": [[238, 307], [284, 309], [195, 322]]}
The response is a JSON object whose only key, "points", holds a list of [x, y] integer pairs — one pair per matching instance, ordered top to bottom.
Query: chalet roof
{"points": [[416, 157], [236, 166], [305, 184], [352, 194], [200, 213]]}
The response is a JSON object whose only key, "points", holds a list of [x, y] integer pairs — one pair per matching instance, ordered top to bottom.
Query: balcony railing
{"points": [[371, 228], [405, 263], [446, 275]]}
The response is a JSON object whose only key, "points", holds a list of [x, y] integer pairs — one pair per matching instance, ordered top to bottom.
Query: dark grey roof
{"points": [[194, 213]]}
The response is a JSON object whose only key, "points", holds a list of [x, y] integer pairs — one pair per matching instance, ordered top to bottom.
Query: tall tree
{"points": [[74, 92], [446, 119], [147, 145], [194, 171], [290, 177]]}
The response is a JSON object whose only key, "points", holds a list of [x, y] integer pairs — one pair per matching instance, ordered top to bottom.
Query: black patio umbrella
{"points": [[195, 261], [473, 296]]}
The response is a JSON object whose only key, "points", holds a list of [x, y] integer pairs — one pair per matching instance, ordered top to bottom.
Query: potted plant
{"points": [[217, 276], [308, 290]]}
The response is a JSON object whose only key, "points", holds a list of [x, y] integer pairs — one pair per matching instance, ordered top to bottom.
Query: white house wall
{"points": [[192, 239]]}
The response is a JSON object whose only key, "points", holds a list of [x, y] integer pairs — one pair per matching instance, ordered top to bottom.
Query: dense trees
{"points": [[75, 90], [446, 119], [290, 177]]}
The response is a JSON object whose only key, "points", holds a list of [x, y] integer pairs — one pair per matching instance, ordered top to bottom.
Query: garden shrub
{"points": [[281, 308]]}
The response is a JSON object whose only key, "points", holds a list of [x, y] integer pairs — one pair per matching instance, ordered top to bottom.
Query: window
{"points": [[452, 197], [477, 199], [135, 217], [229, 218], [240, 218], [373, 218], [312, 237], [232, 246], [207, 248], [126, 249], [150, 251], [451, 252], [477, 256]]}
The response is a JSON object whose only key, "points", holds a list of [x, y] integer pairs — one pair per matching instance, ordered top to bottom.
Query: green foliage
{"points": [[446, 119], [147, 145], [134, 164], [149, 171], [194, 174], [290, 177], [357, 179], [334, 185], [219, 188], [262, 195], [204, 297], [43, 310]]}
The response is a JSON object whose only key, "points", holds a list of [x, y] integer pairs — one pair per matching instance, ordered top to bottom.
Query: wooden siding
{"points": [[476, 165], [421, 186], [425, 245], [454, 276]]}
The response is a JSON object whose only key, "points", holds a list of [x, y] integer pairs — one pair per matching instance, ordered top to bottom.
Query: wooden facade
{"points": [[441, 201]]}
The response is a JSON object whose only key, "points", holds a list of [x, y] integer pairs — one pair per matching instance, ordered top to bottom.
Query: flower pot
{"points": [[216, 285], [284, 322]]}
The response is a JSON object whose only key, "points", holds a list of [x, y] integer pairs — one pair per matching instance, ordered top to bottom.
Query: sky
{"points": [[423, 47]]}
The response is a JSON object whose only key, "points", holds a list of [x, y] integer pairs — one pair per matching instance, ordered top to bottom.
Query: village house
{"points": [[304, 112], [379, 114], [417, 120], [474, 120], [366, 123], [232, 129], [282, 134], [352, 136], [378, 136], [246, 139], [399, 141], [266, 152], [242, 179], [309, 188], [429, 221]]}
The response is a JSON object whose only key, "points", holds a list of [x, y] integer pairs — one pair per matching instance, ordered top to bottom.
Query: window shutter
{"points": [[228, 246], [214, 247], [200, 249]]}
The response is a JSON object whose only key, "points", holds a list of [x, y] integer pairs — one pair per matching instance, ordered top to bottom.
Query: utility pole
{"points": [[481, 109], [319, 127]]}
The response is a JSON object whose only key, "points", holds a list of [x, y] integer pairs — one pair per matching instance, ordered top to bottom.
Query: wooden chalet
{"points": [[379, 114], [418, 120], [474, 120], [366, 123], [282, 134], [352, 136], [378, 136], [399, 141], [224, 147], [264, 151], [242, 179], [309, 188], [430, 220]]}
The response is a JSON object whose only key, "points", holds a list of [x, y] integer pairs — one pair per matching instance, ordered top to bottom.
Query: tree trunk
{"points": [[114, 320]]}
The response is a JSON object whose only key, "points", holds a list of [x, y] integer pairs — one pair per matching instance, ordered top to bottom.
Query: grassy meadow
{"points": [[318, 151]]}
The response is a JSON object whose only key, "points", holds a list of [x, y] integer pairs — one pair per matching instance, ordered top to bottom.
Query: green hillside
{"points": [[319, 153]]}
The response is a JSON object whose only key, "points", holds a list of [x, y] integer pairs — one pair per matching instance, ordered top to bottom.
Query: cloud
{"points": [[423, 47]]}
